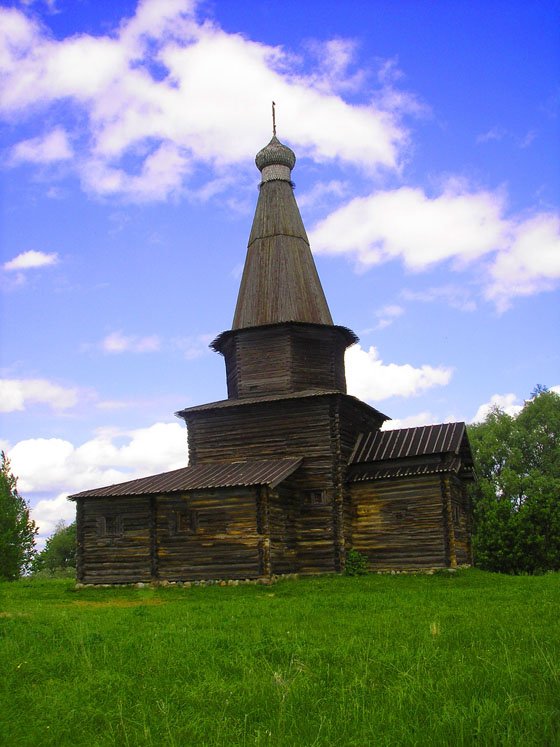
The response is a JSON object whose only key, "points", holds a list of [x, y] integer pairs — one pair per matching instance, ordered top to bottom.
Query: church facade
{"points": [[289, 472]]}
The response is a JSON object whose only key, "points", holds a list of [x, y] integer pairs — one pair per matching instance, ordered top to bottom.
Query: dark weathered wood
{"points": [[282, 358], [399, 498], [461, 516], [448, 523], [398, 524], [80, 540], [116, 558]]}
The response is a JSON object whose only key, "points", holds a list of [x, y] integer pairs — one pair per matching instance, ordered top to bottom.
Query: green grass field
{"points": [[449, 659]]}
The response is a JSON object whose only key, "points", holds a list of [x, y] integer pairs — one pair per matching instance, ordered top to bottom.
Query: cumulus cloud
{"points": [[152, 95], [49, 148], [407, 224], [522, 254], [30, 260], [531, 262], [116, 343], [370, 379], [19, 394], [509, 403], [412, 421], [55, 466], [49, 512]]}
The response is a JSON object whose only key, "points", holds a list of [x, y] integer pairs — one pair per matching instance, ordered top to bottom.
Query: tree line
{"points": [[515, 499]]}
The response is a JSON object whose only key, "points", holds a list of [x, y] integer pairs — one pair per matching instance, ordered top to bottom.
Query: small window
{"points": [[315, 497], [456, 512], [402, 513], [183, 522], [110, 526]]}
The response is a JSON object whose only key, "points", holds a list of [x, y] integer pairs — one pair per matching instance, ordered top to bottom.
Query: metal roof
{"points": [[255, 400], [224, 403], [408, 442], [372, 471], [269, 472]]}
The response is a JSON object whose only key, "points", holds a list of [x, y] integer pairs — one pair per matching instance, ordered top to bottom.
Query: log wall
{"points": [[283, 358], [353, 417], [322, 429], [301, 510], [461, 514], [399, 524], [210, 534], [114, 543]]}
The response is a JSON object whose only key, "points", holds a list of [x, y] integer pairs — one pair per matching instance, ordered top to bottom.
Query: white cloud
{"points": [[156, 89], [46, 149], [161, 174], [405, 223], [459, 225], [30, 260], [530, 264], [116, 342], [370, 379], [19, 394], [509, 403], [412, 421], [53, 465], [48, 512]]}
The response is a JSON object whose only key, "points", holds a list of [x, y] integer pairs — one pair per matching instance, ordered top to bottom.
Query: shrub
{"points": [[356, 564]]}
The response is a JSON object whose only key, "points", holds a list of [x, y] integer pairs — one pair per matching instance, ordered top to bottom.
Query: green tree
{"points": [[517, 497], [17, 529], [59, 553]]}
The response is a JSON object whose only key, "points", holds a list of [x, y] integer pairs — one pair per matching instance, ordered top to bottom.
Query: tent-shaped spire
{"points": [[280, 281]]}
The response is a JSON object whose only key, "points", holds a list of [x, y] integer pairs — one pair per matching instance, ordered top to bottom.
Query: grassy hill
{"points": [[449, 659]]}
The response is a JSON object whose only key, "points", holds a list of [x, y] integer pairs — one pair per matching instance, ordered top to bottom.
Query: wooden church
{"points": [[289, 472]]}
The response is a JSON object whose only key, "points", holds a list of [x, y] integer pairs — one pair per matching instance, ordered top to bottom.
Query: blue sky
{"points": [[427, 138]]}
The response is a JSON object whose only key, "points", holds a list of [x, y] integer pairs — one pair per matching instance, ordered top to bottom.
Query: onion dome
{"points": [[275, 161]]}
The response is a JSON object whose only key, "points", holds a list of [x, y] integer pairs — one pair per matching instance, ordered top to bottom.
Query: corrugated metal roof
{"points": [[267, 398], [408, 442], [373, 471], [202, 476]]}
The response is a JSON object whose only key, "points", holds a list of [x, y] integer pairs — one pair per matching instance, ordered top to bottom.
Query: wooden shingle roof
{"points": [[280, 282], [269, 472]]}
